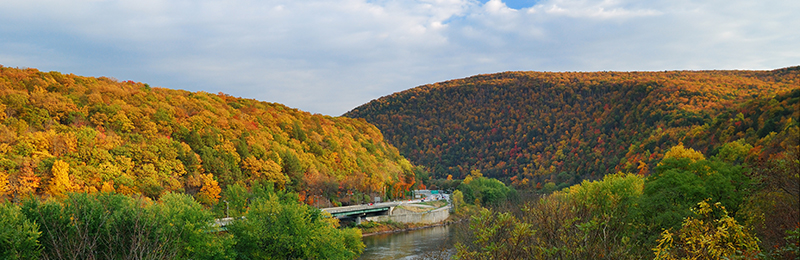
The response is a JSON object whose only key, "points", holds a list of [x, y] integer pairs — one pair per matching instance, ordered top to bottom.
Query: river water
{"points": [[415, 244]]}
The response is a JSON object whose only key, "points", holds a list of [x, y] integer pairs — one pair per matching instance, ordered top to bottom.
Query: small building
{"points": [[420, 194]]}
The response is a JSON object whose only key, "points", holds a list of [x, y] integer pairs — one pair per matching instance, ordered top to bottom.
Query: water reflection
{"points": [[407, 245]]}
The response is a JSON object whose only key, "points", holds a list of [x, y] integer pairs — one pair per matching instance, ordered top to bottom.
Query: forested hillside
{"points": [[534, 128], [62, 133]]}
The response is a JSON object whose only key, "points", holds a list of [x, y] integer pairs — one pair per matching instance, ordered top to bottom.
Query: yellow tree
{"points": [[679, 151], [265, 169], [472, 175], [60, 182], [108, 187], [4, 189], [209, 193], [458, 200], [708, 237]]}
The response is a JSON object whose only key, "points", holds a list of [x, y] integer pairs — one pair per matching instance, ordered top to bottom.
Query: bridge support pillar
{"points": [[358, 220]]}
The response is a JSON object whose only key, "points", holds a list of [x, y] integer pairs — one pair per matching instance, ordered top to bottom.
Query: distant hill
{"points": [[531, 128], [64, 132]]}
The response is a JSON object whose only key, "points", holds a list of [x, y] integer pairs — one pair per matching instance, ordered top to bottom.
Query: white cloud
{"points": [[497, 7], [607, 9], [329, 56]]}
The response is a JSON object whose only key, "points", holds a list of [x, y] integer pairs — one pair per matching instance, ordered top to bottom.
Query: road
{"points": [[376, 205], [222, 222]]}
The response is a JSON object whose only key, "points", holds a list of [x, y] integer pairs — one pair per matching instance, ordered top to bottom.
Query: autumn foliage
{"points": [[561, 128], [62, 132]]}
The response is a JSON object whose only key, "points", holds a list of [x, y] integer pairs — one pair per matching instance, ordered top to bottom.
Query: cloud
{"points": [[607, 9], [328, 56]]}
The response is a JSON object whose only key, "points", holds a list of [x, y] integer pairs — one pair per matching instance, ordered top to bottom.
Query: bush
{"points": [[679, 183], [486, 191], [113, 226], [288, 230], [18, 235]]}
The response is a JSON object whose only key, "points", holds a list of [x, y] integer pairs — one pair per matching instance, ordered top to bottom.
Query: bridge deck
{"points": [[359, 209], [222, 223]]}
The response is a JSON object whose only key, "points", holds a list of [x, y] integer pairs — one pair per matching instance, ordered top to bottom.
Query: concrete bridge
{"points": [[386, 211], [354, 212], [358, 212], [349, 213]]}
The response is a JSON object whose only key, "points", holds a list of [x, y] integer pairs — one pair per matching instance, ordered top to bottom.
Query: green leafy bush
{"points": [[114, 226], [273, 229], [18, 235]]}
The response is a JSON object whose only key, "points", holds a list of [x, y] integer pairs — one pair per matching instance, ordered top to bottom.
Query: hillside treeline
{"points": [[539, 128], [65, 133], [689, 207], [108, 225]]}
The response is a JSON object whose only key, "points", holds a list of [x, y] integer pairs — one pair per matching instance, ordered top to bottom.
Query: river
{"points": [[408, 245]]}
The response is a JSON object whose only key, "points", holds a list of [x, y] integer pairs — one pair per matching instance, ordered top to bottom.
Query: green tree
{"points": [[735, 152], [678, 184], [486, 191], [234, 201], [608, 204], [591, 220], [190, 224], [114, 226], [71, 228], [288, 230], [18, 235], [498, 236]]}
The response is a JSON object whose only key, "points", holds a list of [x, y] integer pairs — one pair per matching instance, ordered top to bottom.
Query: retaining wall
{"points": [[428, 217]]}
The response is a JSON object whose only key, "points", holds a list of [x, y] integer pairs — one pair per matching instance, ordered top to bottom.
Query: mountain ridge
{"points": [[563, 127], [125, 136]]}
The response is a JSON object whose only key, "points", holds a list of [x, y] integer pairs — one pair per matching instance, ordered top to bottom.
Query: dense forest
{"points": [[538, 128], [61, 133], [640, 165], [671, 165], [689, 207]]}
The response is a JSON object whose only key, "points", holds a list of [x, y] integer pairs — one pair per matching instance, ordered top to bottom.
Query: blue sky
{"points": [[516, 4], [329, 56]]}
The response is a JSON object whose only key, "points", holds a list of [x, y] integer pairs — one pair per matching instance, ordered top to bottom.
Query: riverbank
{"points": [[409, 217], [377, 228]]}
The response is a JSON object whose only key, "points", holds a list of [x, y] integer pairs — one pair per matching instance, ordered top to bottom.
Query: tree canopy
{"points": [[561, 128], [62, 132]]}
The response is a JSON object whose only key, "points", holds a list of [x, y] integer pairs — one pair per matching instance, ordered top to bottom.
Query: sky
{"points": [[330, 56]]}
